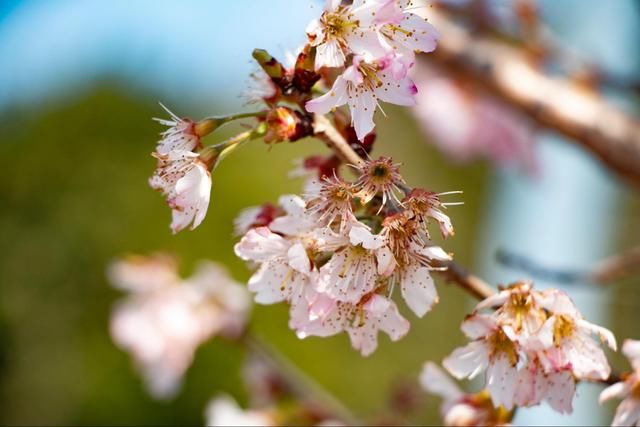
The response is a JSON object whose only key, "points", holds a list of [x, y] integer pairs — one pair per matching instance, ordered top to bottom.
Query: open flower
{"points": [[343, 30], [362, 86], [185, 181], [332, 201], [426, 205], [414, 256], [355, 270], [165, 318], [361, 320], [567, 341], [492, 349], [459, 408], [628, 412]]}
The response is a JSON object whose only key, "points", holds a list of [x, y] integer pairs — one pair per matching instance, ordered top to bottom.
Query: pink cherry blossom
{"points": [[344, 30], [362, 86], [185, 181], [332, 202], [426, 205], [256, 216], [414, 255], [284, 266], [354, 270], [163, 321], [361, 321], [566, 340], [492, 349], [628, 411]]}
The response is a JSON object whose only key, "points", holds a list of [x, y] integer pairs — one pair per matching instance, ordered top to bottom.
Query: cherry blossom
{"points": [[343, 30], [362, 86], [182, 134], [380, 176], [185, 180], [332, 202], [426, 205], [256, 216], [414, 255], [355, 269], [165, 318], [361, 320], [566, 340], [493, 349], [459, 408], [224, 411], [628, 412]]}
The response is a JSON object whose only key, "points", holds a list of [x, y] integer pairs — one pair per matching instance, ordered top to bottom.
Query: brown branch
{"points": [[555, 103], [616, 267], [454, 272]]}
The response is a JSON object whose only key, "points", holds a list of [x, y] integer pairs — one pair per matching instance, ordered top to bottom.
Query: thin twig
{"points": [[304, 387]]}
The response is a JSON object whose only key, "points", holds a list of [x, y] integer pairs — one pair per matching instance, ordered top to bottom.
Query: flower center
{"points": [[338, 23], [562, 328], [501, 344]]}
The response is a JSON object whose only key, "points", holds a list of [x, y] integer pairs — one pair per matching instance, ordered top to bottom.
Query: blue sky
{"points": [[194, 48]]}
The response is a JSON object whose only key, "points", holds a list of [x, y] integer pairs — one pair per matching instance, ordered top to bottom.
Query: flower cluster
{"points": [[377, 40], [182, 175], [336, 255], [165, 318], [534, 347], [459, 408], [628, 412]]}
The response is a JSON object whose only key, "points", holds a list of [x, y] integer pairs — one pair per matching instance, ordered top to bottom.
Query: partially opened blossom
{"points": [[344, 30], [362, 86], [182, 135], [184, 179], [162, 322], [459, 408], [224, 411], [628, 411]]}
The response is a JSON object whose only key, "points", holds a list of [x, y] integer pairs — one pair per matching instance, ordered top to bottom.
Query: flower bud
{"points": [[274, 69], [305, 76], [285, 124]]}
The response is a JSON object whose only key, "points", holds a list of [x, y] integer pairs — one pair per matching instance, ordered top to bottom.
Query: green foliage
{"points": [[74, 195]]}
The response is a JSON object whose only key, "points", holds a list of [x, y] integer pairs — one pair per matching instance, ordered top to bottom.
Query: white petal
{"points": [[329, 54], [336, 97], [362, 106], [260, 244], [298, 258], [386, 261], [272, 282], [418, 289], [478, 326], [604, 334], [467, 361], [502, 379], [434, 380], [615, 391], [628, 413]]}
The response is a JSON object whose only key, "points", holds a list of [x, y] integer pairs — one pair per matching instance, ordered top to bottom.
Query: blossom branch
{"points": [[558, 104], [452, 271]]}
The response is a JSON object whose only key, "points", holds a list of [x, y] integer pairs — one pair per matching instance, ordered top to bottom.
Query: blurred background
{"points": [[79, 83]]}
